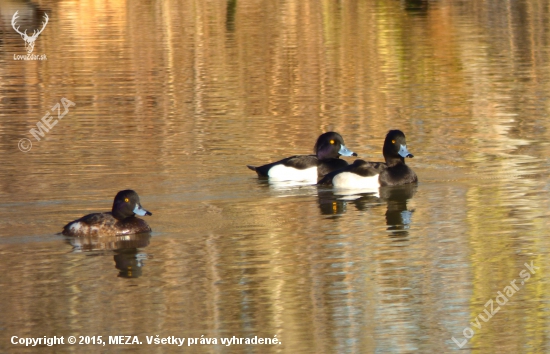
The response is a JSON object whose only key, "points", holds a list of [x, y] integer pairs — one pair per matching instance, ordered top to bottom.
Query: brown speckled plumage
{"points": [[120, 221], [104, 224]]}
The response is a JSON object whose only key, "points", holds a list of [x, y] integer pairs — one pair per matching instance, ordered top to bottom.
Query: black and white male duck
{"points": [[328, 148], [369, 175]]}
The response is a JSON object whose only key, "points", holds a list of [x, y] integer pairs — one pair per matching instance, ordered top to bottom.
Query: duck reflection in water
{"points": [[336, 203], [398, 216], [129, 260]]}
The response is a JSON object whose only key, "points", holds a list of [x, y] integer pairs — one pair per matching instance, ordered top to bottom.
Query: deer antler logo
{"points": [[29, 41]]}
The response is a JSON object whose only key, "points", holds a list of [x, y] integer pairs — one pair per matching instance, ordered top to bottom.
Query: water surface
{"points": [[175, 98]]}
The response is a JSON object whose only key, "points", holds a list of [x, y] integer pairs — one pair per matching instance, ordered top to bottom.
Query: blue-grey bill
{"points": [[344, 151], [404, 152], [138, 210]]}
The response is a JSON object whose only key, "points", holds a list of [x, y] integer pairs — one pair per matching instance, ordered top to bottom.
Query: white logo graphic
{"points": [[29, 41]]}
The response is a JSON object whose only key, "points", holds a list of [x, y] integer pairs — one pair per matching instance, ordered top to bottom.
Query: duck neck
{"points": [[324, 154], [394, 160], [119, 215]]}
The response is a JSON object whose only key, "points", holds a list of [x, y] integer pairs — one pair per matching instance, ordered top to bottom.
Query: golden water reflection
{"points": [[173, 98]]}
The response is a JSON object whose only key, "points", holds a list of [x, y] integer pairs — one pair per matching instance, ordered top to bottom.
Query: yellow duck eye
{"points": [[331, 142], [126, 200]]}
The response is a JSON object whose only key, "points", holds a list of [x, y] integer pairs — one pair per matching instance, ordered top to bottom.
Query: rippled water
{"points": [[174, 98]]}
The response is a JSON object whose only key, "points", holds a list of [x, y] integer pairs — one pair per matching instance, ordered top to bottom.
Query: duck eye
{"points": [[393, 141], [331, 142], [126, 200]]}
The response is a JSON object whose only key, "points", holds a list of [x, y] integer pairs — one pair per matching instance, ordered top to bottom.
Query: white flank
{"points": [[284, 173], [348, 180], [75, 227], [79, 227]]}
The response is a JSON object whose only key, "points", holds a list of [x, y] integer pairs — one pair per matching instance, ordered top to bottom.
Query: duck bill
{"points": [[344, 151], [403, 152], [138, 210]]}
